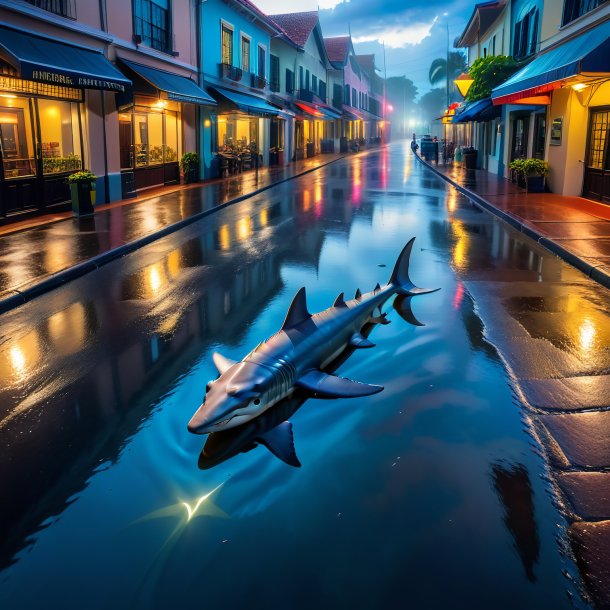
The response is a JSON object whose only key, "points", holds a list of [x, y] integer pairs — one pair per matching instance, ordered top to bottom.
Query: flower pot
{"points": [[311, 150], [273, 158], [281, 159], [470, 159], [190, 175], [521, 182], [535, 184], [83, 197]]}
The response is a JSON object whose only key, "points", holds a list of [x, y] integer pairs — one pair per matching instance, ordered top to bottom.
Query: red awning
{"points": [[525, 96], [311, 110]]}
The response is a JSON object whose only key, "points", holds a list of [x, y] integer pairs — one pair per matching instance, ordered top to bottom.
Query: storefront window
{"points": [[237, 134], [59, 136], [156, 137], [16, 141]]}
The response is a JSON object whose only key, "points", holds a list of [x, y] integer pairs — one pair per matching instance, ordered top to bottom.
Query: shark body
{"points": [[294, 358]]}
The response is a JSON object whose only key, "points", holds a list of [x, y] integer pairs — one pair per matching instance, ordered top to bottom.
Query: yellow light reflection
{"points": [[306, 201], [452, 201], [263, 217], [244, 228], [224, 238], [461, 246], [174, 263], [68, 329], [587, 332], [21, 357], [18, 361]]}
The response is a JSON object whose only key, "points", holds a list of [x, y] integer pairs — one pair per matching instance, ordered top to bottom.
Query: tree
{"points": [[438, 68], [487, 73], [401, 94], [432, 105]]}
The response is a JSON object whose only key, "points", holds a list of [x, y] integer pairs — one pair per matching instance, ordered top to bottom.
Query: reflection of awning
{"points": [[586, 55], [58, 63], [177, 88], [248, 104], [481, 110], [319, 112]]}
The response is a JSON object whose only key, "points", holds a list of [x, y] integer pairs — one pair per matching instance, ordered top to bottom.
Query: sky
{"points": [[414, 31]]}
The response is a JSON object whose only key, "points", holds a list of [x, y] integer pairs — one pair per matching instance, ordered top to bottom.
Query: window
{"points": [[65, 8], [573, 9], [152, 23], [525, 39], [227, 45], [493, 45], [245, 54], [262, 61], [274, 73], [301, 78], [306, 80], [289, 81], [314, 83], [322, 90], [337, 95], [346, 98], [354, 98], [60, 136], [539, 136], [16, 139], [598, 157]]}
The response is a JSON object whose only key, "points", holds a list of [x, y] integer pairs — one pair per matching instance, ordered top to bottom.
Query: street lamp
{"points": [[463, 82]]}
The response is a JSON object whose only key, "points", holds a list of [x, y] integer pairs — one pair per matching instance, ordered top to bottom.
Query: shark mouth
{"points": [[223, 422]]}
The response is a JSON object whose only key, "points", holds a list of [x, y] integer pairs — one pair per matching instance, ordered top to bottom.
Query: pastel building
{"points": [[235, 62]]}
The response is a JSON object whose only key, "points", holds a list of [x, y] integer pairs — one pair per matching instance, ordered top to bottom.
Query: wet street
{"points": [[442, 491]]}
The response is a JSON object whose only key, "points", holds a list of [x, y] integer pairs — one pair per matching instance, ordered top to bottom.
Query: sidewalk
{"points": [[574, 228], [45, 252]]}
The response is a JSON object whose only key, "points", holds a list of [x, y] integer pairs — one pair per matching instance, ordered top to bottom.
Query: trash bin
{"points": [[470, 158]]}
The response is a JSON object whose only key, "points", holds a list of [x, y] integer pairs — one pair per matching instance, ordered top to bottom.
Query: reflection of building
{"points": [[514, 490]]}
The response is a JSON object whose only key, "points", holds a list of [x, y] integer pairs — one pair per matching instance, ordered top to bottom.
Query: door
{"points": [[520, 137], [597, 168], [19, 183]]}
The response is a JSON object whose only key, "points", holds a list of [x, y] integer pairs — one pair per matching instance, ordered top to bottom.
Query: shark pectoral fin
{"points": [[413, 291], [402, 304], [357, 340], [222, 364], [329, 386], [280, 441]]}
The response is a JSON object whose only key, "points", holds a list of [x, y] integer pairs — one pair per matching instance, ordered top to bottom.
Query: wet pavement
{"points": [[575, 228], [35, 255], [472, 481]]}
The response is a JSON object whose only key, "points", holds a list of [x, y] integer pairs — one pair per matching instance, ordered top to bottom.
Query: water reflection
{"points": [[512, 484]]}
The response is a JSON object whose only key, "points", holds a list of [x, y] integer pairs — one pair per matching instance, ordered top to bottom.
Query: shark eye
{"points": [[257, 401]]}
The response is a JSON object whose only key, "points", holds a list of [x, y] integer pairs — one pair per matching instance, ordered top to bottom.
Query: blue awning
{"points": [[587, 54], [59, 63], [178, 88], [249, 104], [481, 110], [329, 113]]}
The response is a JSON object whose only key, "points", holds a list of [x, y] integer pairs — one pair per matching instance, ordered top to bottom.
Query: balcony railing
{"points": [[65, 8], [230, 72], [258, 82], [305, 96]]}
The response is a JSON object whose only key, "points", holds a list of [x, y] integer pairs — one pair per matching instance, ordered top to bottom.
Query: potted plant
{"points": [[469, 154], [273, 156], [189, 164], [516, 172], [535, 172], [82, 192]]}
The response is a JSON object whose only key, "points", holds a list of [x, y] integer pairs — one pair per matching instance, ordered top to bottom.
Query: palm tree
{"points": [[438, 68]]}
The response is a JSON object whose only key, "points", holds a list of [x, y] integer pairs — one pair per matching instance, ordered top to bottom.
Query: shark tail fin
{"points": [[400, 276]]}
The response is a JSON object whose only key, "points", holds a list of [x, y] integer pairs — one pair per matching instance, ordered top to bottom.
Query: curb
{"points": [[592, 271], [20, 297]]}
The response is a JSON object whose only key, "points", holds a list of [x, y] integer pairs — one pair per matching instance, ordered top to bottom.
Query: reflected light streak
{"points": [[306, 201], [452, 201], [263, 217], [244, 228], [224, 237], [459, 251], [173, 263], [458, 296], [587, 332], [18, 361], [191, 511]]}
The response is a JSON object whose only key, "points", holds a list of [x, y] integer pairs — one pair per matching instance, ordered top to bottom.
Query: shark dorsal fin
{"points": [[358, 295], [339, 301], [297, 312], [222, 364], [280, 441]]}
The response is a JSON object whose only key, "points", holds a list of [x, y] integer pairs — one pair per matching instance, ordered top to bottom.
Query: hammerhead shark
{"points": [[296, 356]]}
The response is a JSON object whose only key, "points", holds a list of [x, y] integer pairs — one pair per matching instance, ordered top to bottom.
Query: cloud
{"points": [[398, 37]]}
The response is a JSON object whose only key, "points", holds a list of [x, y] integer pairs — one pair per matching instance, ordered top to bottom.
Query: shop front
{"points": [[42, 113], [152, 124], [244, 127], [314, 129]]}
